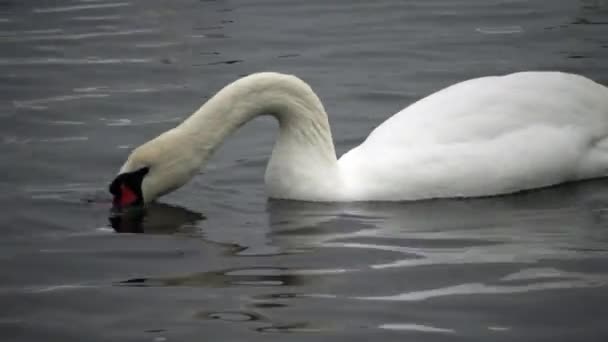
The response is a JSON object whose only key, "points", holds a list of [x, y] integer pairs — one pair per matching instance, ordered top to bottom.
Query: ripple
{"points": [[80, 7], [96, 18], [584, 21], [500, 29], [15, 33], [77, 36], [154, 45], [46, 48], [289, 55], [70, 61], [231, 61], [137, 88], [40, 104], [56, 122], [117, 122], [128, 122], [61, 139], [9, 140], [72, 192], [493, 253], [276, 271], [540, 273], [254, 276], [214, 279], [588, 281], [65, 287], [46, 288], [279, 296], [268, 305], [231, 316], [415, 327], [290, 328], [496, 328], [155, 330]]}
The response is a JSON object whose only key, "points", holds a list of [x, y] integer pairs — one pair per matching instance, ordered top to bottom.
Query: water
{"points": [[82, 82]]}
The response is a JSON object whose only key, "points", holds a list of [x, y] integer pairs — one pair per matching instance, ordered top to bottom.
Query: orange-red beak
{"points": [[126, 188], [126, 197]]}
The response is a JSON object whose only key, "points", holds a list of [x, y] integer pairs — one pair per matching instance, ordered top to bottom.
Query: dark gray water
{"points": [[82, 82]]}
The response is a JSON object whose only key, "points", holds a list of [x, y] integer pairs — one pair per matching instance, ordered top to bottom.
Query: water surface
{"points": [[83, 82]]}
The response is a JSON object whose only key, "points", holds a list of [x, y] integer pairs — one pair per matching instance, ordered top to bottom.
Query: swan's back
{"points": [[484, 107], [485, 136]]}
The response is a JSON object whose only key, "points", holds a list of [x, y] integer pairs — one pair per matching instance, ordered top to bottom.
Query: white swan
{"points": [[485, 136]]}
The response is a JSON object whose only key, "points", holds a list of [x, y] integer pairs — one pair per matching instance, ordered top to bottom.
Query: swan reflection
{"points": [[567, 217], [156, 218], [520, 243]]}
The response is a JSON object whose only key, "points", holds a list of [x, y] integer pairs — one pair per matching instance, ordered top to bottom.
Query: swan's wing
{"points": [[487, 107], [485, 136], [503, 165]]}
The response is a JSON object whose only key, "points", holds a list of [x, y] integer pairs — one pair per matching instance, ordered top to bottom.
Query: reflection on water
{"points": [[57, 9], [544, 217], [156, 219], [524, 229], [258, 276], [570, 282], [232, 316], [260, 323], [414, 327], [291, 328]]}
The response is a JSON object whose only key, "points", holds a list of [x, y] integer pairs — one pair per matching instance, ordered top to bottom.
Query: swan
{"points": [[486, 136]]}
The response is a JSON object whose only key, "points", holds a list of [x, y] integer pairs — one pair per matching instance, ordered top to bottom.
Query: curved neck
{"points": [[303, 163]]}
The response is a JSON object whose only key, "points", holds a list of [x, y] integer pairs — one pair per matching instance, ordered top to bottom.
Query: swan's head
{"points": [[153, 169]]}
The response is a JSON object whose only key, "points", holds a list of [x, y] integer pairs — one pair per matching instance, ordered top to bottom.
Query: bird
{"points": [[487, 136]]}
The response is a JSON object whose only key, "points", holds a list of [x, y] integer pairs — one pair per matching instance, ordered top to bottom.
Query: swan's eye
{"points": [[126, 188]]}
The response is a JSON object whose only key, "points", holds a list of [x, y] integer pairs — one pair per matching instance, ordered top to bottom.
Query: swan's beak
{"points": [[126, 189], [125, 197]]}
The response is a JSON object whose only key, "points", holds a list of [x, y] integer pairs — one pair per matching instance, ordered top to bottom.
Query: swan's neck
{"points": [[303, 163]]}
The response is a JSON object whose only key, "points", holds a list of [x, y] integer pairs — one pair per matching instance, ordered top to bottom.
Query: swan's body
{"points": [[486, 136]]}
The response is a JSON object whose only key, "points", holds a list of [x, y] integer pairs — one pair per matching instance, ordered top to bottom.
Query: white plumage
{"points": [[485, 136]]}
